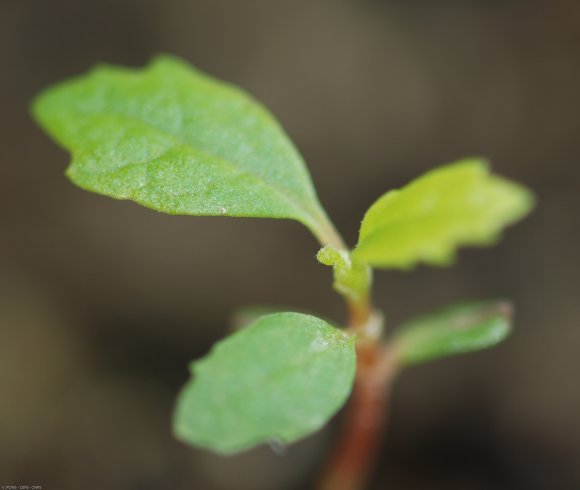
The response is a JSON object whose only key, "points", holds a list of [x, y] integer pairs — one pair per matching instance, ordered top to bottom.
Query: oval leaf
{"points": [[176, 140], [459, 204], [453, 330], [279, 379]]}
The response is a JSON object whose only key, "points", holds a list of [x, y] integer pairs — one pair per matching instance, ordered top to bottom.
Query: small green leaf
{"points": [[178, 141], [459, 204], [352, 278], [453, 330], [279, 379]]}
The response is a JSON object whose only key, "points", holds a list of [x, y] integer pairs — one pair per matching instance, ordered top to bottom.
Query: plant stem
{"points": [[360, 314], [365, 418], [350, 465]]}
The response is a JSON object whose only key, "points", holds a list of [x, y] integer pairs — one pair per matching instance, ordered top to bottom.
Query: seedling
{"points": [[178, 141]]}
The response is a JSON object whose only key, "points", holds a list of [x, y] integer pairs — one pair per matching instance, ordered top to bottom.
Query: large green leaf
{"points": [[176, 140], [459, 204], [453, 330], [277, 380]]}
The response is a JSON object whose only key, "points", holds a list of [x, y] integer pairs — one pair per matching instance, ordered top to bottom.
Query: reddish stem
{"points": [[364, 422]]}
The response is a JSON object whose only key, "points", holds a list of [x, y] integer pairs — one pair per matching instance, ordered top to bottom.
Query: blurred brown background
{"points": [[103, 303]]}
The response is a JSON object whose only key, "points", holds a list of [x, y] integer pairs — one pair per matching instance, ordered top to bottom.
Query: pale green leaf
{"points": [[176, 140], [427, 220], [352, 278], [453, 330], [277, 380]]}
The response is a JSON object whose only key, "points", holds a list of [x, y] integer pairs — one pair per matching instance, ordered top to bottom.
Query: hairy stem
{"points": [[365, 419], [350, 465]]}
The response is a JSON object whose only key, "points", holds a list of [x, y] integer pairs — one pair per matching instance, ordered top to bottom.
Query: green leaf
{"points": [[178, 141], [459, 204], [352, 278], [453, 330], [279, 379]]}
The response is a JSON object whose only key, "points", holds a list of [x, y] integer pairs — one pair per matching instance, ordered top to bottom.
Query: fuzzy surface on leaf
{"points": [[178, 141], [427, 220], [352, 278], [453, 330], [278, 379]]}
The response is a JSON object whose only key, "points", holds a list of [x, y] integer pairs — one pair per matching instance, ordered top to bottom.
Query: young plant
{"points": [[175, 140]]}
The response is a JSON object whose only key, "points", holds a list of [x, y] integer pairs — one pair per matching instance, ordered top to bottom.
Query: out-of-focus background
{"points": [[104, 303]]}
